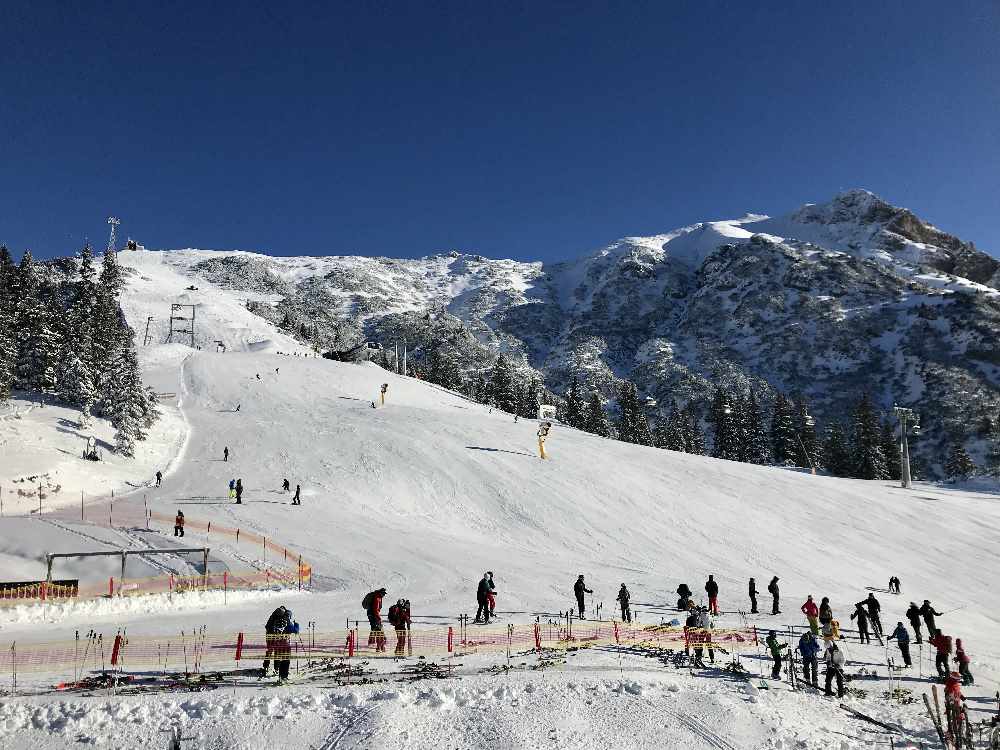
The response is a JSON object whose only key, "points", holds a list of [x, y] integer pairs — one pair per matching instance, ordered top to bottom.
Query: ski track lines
{"points": [[701, 730]]}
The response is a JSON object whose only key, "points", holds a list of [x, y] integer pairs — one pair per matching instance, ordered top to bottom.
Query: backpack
{"points": [[771, 587], [369, 600], [394, 616]]}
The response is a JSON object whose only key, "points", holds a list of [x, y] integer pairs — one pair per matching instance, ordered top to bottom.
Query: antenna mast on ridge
{"points": [[114, 222]]}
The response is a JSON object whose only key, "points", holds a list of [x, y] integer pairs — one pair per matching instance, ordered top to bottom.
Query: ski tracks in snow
{"points": [[354, 723], [701, 730]]}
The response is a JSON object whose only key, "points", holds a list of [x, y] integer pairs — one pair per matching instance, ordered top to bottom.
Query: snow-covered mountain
{"points": [[828, 301]]}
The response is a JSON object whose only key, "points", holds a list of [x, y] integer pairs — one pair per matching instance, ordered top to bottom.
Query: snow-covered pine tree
{"points": [[108, 329], [8, 343], [37, 343], [77, 384], [502, 386], [530, 395], [129, 404], [573, 410], [151, 411], [596, 419], [633, 427], [670, 432], [694, 435], [725, 440], [784, 445], [756, 446], [866, 446], [890, 449], [993, 451], [836, 452], [959, 465]]}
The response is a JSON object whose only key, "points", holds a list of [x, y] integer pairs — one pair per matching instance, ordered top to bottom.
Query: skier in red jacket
{"points": [[373, 608], [811, 611], [399, 618], [942, 661], [963, 663]]}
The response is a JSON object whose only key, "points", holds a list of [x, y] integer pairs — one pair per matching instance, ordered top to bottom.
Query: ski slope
{"points": [[424, 494]]}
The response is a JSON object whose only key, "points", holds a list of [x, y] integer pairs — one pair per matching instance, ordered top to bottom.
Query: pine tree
{"points": [[108, 329], [8, 342], [37, 344], [77, 384], [502, 391], [530, 398], [129, 404], [575, 406], [596, 419], [633, 427], [669, 433], [694, 435], [725, 438], [784, 446], [866, 447], [756, 448], [890, 449], [993, 451], [836, 452], [959, 466]]}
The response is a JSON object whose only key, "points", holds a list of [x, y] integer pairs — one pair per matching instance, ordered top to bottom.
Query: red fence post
{"points": [[111, 586], [43, 590], [616, 634], [538, 637], [451, 639], [350, 644], [239, 647], [115, 650]]}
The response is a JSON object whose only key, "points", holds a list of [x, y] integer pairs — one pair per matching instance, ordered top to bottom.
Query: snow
{"points": [[424, 494]]}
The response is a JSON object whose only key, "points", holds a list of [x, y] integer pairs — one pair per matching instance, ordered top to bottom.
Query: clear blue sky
{"points": [[531, 130]]}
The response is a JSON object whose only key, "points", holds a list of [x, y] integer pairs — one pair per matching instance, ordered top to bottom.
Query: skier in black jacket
{"points": [[772, 588], [579, 589], [712, 589], [752, 591], [684, 598], [623, 599], [928, 612], [483, 613], [873, 614], [913, 615], [862, 618], [276, 624]]}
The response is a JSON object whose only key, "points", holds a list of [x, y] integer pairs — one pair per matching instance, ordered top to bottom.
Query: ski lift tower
{"points": [[114, 222], [181, 325]]}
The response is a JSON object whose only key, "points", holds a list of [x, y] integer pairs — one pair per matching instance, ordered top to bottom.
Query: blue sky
{"points": [[526, 130]]}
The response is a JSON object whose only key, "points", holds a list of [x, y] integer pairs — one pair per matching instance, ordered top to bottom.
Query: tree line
{"points": [[63, 336]]}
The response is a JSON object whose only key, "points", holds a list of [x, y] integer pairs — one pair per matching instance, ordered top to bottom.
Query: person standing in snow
{"points": [[225, 453], [159, 478], [285, 485], [232, 489], [239, 491], [297, 498], [179, 524], [772, 588], [579, 589], [712, 589], [482, 591], [752, 591], [491, 594], [683, 598], [623, 600], [372, 604], [811, 611], [825, 611], [929, 613], [873, 615], [913, 615], [399, 618], [862, 618], [275, 626], [705, 635], [690, 636], [902, 638], [775, 648], [809, 648], [834, 661], [942, 661], [963, 663]]}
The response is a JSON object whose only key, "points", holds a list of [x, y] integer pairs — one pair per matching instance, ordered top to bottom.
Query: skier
{"points": [[258, 376], [238, 407], [225, 453], [159, 478], [285, 486], [232, 489], [239, 491], [297, 497], [179, 524], [894, 585], [772, 588], [579, 589], [712, 589], [752, 590], [491, 598], [684, 598], [623, 599], [372, 604], [825, 611], [811, 612], [483, 613], [929, 613], [873, 615], [913, 615], [862, 617], [399, 618], [276, 625], [690, 626], [705, 635], [902, 637], [775, 647], [809, 648], [834, 661], [942, 661], [963, 663], [954, 702]]}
